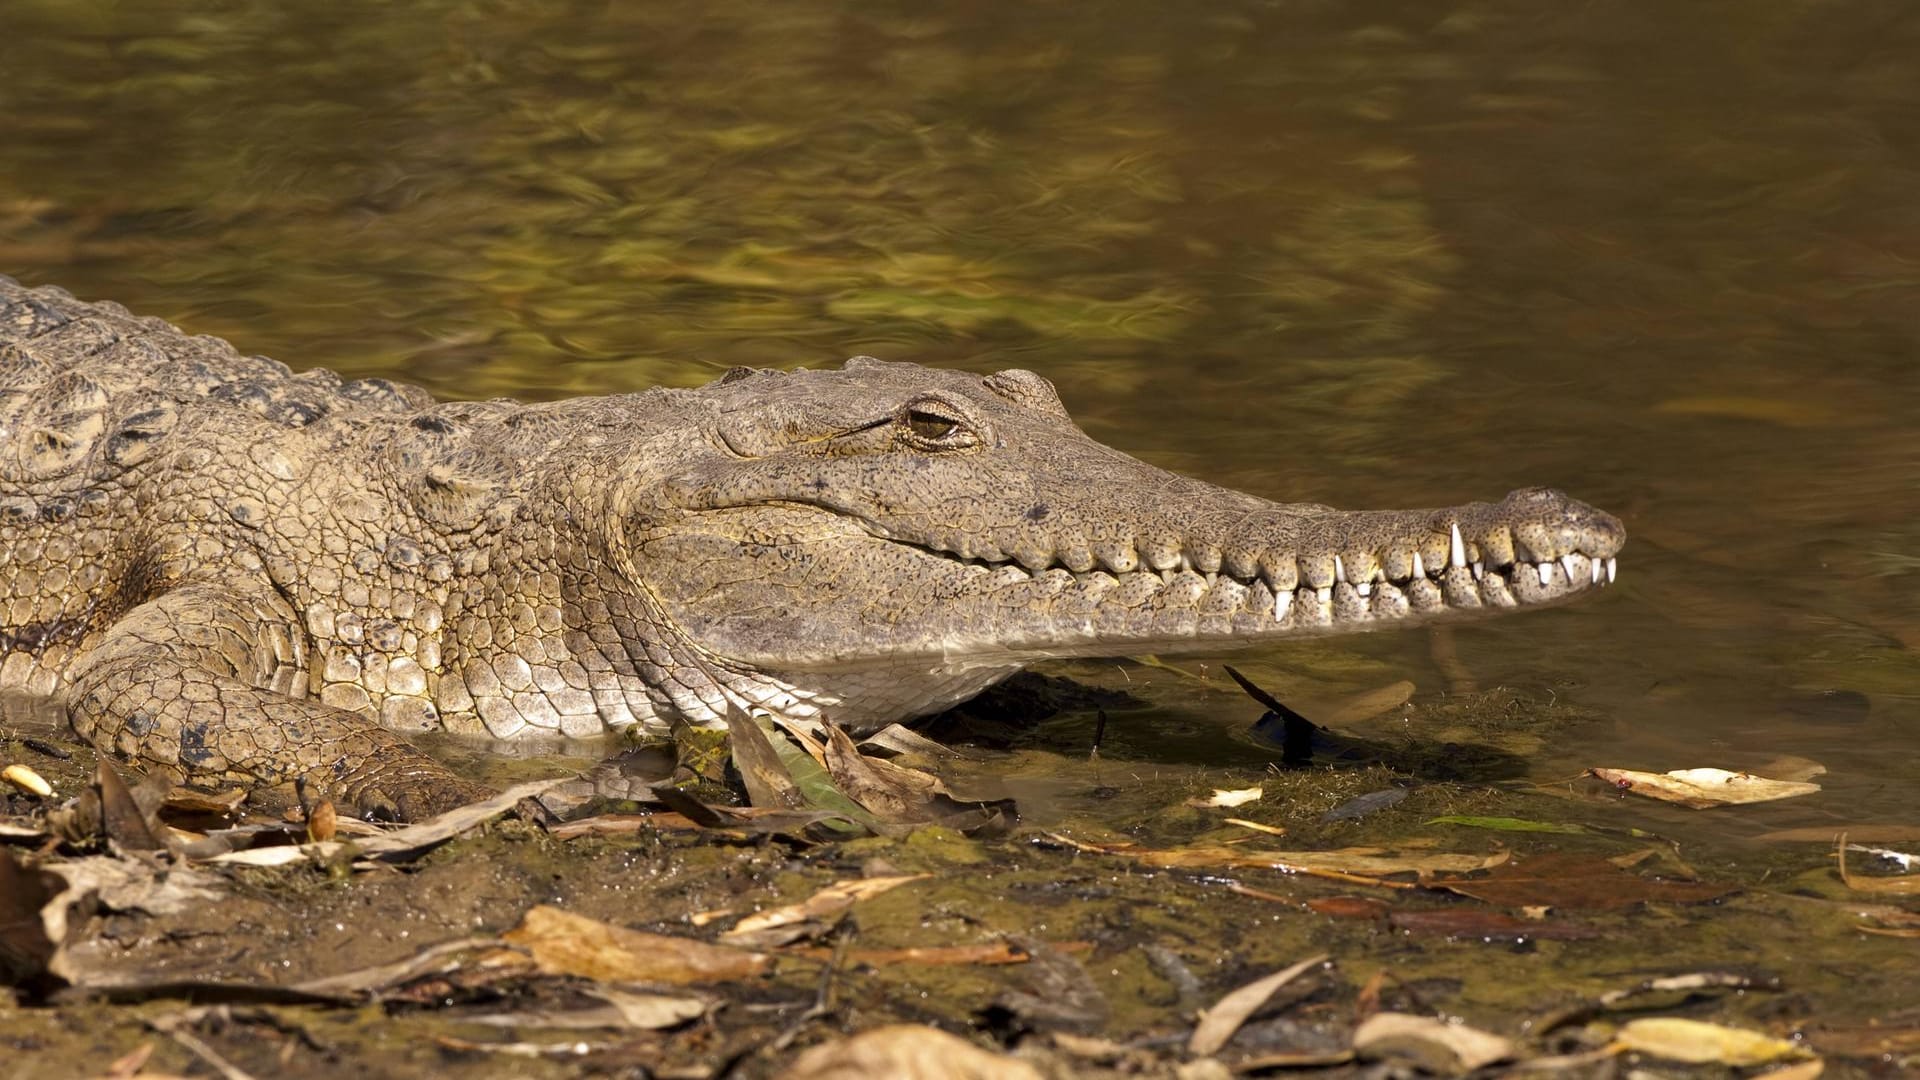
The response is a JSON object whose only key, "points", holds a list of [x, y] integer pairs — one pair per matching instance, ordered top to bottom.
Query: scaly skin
{"points": [[234, 572]]}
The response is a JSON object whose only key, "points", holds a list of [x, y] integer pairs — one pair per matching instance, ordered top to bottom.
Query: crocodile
{"points": [[233, 572]]}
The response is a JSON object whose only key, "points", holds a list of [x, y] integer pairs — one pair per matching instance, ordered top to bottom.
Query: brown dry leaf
{"points": [[1357, 708], [1790, 767], [24, 778], [768, 782], [1704, 788], [894, 792], [1226, 798], [122, 818], [321, 823], [621, 825], [1270, 830], [1865, 834], [1344, 864], [1579, 883], [1885, 886], [1350, 907], [812, 916], [1487, 926], [563, 943], [25, 949], [995, 955], [442, 960], [623, 1009], [1218, 1024], [1865, 1041], [1699, 1043], [1434, 1045], [907, 1052], [129, 1064], [1805, 1070]]}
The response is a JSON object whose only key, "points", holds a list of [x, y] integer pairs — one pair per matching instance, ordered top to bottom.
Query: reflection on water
{"points": [[1667, 258]]}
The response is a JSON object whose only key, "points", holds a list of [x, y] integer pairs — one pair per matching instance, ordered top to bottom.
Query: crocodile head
{"points": [[883, 540]]}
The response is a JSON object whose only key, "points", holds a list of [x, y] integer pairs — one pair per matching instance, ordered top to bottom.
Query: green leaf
{"points": [[1508, 824]]}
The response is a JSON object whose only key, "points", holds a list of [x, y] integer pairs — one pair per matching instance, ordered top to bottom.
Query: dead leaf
{"points": [[1357, 708], [1790, 767], [27, 780], [768, 783], [1704, 788], [893, 791], [1223, 797], [122, 818], [321, 823], [621, 825], [1270, 830], [1866, 834], [396, 845], [1346, 864], [1578, 883], [1908, 885], [1350, 907], [812, 916], [1487, 926], [563, 943], [25, 948], [998, 954], [443, 959], [1679, 987], [623, 1009], [1218, 1024], [1699, 1043], [1434, 1045], [907, 1052], [129, 1064], [1805, 1070]]}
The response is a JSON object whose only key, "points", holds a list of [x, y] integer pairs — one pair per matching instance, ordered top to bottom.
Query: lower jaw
{"points": [[1098, 614]]}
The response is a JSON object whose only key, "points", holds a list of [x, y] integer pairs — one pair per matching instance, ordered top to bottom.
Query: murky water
{"points": [[1372, 254]]}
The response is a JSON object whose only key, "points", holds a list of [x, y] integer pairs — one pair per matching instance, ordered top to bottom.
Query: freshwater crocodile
{"points": [[234, 572]]}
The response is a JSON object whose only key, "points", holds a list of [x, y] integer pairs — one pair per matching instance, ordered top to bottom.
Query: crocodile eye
{"points": [[931, 426]]}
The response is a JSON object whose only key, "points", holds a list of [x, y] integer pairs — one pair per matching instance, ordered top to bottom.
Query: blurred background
{"points": [[1373, 254]]}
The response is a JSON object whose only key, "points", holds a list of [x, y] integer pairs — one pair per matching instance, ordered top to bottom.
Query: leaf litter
{"points": [[1705, 788], [569, 972]]}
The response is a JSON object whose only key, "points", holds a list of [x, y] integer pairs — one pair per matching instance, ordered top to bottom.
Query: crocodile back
{"points": [[97, 406]]}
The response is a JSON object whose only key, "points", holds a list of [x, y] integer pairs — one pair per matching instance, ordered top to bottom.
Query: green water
{"points": [[1664, 257]]}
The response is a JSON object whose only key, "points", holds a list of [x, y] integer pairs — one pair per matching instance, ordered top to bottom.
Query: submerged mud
{"points": [[1083, 942]]}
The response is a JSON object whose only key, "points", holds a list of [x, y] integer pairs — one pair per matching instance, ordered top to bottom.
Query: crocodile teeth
{"points": [[1458, 552], [1567, 561], [1611, 563], [1593, 565], [1419, 568], [1479, 568], [1339, 569], [1546, 573], [1365, 588], [1323, 594], [1282, 603]]}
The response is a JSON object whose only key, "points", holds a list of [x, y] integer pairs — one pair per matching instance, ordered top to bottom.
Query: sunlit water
{"points": [[1666, 258]]}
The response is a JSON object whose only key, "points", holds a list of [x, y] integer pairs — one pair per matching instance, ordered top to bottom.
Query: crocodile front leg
{"points": [[202, 681]]}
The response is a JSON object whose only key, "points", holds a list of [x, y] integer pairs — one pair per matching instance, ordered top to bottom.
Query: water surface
{"points": [[1664, 257]]}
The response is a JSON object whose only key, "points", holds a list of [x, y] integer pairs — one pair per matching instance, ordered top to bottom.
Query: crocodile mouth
{"points": [[1255, 604]]}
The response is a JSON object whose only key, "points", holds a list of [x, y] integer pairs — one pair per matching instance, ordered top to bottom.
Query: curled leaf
{"points": [[1703, 788], [1700, 1043]]}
